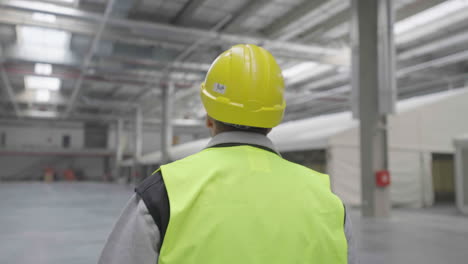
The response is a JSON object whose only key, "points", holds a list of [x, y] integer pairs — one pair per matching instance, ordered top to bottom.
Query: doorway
{"points": [[66, 141], [443, 174]]}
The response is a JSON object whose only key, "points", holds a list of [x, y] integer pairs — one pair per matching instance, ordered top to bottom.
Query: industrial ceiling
{"points": [[102, 59]]}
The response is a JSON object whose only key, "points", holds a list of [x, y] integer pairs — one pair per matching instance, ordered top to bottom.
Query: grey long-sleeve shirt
{"points": [[135, 237]]}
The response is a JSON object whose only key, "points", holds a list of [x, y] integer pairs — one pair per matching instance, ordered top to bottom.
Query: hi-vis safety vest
{"points": [[245, 205]]}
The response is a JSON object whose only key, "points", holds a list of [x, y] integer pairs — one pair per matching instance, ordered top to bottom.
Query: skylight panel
{"points": [[43, 37], [43, 68], [42, 83]]}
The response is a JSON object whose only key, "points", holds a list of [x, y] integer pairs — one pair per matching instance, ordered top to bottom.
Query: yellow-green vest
{"points": [[246, 205]]}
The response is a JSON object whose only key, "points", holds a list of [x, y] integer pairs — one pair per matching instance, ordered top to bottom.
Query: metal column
{"points": [[6, 83], [374, 95], [166, 124], [138, 133], [138, 144], [118, 148], [107, 169], [461, 173]]}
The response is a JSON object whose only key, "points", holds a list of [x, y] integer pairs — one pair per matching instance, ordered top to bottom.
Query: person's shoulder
{"points": [[191, 159], [308, 171], [154, 180]]}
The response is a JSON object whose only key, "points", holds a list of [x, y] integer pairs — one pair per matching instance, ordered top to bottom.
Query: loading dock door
{"points": [[443, 178]]}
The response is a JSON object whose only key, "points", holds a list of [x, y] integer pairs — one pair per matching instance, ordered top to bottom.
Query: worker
{"points": [[237, 200]]}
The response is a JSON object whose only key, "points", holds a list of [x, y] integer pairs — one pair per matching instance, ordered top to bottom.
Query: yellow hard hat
{"points": [[244, 86]]}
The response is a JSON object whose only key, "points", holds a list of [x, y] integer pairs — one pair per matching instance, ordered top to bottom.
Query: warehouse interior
{"points": [[96, 94]]}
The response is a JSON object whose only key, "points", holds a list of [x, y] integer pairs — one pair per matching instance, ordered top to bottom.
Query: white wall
{"points": [[440, 122], [427, 127], [42, 135], [413, 135], [46, 137], [151, 139], [30, 147], [343, 166], [408, 171]]}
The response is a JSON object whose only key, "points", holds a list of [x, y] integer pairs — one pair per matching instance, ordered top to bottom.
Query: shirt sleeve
{"points": [[135, 237], [352, 256]]}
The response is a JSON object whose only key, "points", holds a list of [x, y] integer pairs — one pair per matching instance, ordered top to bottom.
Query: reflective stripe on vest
{"points": [[246, 205]]}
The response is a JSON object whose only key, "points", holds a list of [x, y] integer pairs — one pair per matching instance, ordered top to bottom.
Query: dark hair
{"points": [[225, 127]]}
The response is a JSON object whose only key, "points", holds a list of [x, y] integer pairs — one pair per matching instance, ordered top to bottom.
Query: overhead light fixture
{"points": [[429, 15], [44, 17], [43, 37], [42, 44], [43, 68], [42, 83], [43, 96], [41, 113]]}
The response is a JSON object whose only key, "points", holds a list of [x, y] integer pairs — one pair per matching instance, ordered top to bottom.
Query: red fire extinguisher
{"points": [[382, 178]]}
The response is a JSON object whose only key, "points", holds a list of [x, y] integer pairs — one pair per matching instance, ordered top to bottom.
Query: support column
{"points": [[374, 94], [166, 124], [138, 133], [138, 144], [118, 148], [107, 169]]}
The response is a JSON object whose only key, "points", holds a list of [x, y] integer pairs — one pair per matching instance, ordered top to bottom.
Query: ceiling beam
{"points": [[414, 8], [249, 9], [186, 11], [402, 12], [344, 16], [20, 18], [336, 20], [280, 25], [85, 28], [439, 28], [188, 34], [434, 46], [88, 58], [73, 59], [148, 62], [435, 63], [343, 78], [128, 80], [86, 102], [107, 103], [320, 108], [180, 123]]}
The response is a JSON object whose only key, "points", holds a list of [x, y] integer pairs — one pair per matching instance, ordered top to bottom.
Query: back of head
{"points": [[244, 87], [228, 127]]}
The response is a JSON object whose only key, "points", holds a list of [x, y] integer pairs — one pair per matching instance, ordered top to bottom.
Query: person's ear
{"points": [[209, 122], [211, 125]]}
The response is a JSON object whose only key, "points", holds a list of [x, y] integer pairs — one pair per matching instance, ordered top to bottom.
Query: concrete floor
{"points": [[69, 222]]}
